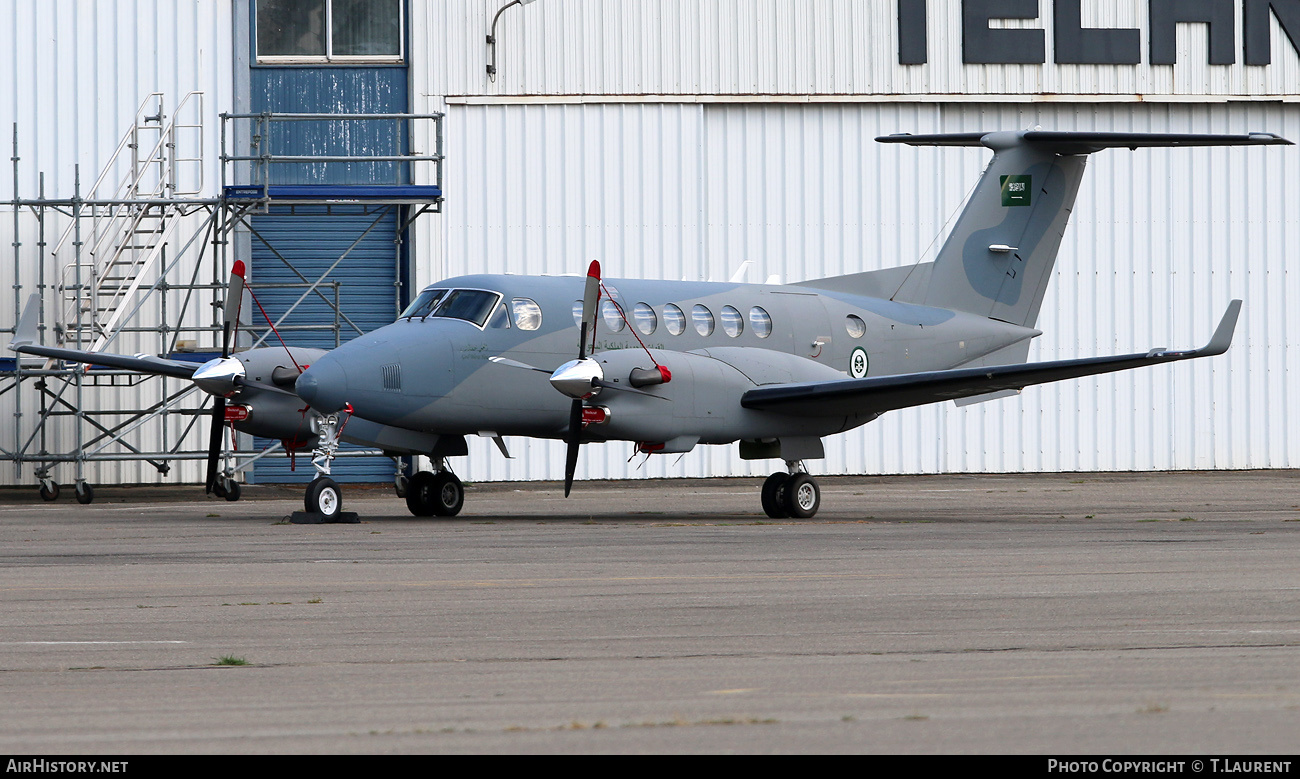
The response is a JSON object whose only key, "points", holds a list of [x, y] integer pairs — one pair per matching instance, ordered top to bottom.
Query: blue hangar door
{"points": [[307, 234], [356, 249]]}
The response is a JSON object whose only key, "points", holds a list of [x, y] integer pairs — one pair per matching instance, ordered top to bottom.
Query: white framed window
{"points": [[330, 31], [528, 315], [612, 315], [644, 316], [702, 318], [674, 319], [733, 324]]}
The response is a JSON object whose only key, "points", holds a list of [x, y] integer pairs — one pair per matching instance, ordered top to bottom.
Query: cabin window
{"points": [[423, 304], [471, 305], [577, 313], [528, 315], [612, 316], [644, 317], [702, 318], [674, 319], [760, 321], [733, 324], [856, 327]]}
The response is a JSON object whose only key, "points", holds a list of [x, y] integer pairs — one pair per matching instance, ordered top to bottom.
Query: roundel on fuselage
{"points": [[858, 363]]}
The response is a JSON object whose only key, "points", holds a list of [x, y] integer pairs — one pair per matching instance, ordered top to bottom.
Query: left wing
{"points": [[26, 340], [886, 393]]}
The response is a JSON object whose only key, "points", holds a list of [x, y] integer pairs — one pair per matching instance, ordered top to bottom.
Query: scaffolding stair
{"points": [[130, 222]]}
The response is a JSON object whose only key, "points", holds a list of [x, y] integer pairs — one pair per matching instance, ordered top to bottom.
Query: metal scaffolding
{"points": [[140, 265]]}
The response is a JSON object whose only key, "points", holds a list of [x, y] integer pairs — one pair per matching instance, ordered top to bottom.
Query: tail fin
{"points": [[999, 257]]}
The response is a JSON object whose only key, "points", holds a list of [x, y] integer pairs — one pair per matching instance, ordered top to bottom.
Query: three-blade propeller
{"points": [[220, 377], [569, 378]]}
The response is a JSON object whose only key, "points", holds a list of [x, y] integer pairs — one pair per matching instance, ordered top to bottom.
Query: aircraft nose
{"points": [[324, 386]]}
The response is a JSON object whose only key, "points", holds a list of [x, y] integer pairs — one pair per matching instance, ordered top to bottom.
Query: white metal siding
{"points": [[75, 71]]}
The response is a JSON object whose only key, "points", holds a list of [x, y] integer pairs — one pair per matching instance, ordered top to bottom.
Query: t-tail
{"points": [[998, 259]]}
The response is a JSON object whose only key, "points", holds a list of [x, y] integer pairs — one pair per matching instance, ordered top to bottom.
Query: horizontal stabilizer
{"points": [[1086, 142], [874, 396]]}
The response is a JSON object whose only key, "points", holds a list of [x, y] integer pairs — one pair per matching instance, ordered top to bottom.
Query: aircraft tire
{"points": [[232, 490], [50, 492], [85, 494], [419, 494], [448, 494], [773, 494], [802, 496], [324, 497]]}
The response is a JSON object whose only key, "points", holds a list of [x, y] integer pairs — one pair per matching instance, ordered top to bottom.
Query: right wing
{"points": [[877, 395]]}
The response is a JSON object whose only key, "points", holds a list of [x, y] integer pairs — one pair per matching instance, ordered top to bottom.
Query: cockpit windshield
{"points": [[424, 304], [472, 305]]}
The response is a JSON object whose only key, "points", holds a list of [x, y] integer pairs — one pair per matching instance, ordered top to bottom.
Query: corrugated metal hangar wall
{"points": [[680, 138]]}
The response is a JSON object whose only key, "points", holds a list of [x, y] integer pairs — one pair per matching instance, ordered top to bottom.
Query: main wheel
{"points": [[49, 491], [84, 493], [419, 494], [435, 494], [449, 494], [773, 495], [802, 496], [324, 497]]}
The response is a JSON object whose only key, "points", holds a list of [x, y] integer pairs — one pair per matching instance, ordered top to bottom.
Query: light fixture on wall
{"points": [[492, 38]]}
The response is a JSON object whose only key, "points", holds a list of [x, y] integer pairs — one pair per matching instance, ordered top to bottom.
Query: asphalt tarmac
{"points": [[1105, 614]]}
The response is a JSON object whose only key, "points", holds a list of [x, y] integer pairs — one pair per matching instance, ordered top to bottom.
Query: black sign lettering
{"points": [[1165, 16], [1258, 34], [1075, 44], [981, 45], [1079, 45], [912, 48]]}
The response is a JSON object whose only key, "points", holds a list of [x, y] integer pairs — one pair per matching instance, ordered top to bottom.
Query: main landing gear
{"points": [[434, 493], [791, 494]]}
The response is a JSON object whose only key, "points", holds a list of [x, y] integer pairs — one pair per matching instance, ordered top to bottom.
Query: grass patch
{"points": [[230, 660]]}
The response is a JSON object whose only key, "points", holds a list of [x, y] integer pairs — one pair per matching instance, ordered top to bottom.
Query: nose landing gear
{"points": [[324, 500]]}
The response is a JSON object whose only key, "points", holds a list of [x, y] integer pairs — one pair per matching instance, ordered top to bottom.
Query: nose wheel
{"points": [[791, 495], [324, 498]]}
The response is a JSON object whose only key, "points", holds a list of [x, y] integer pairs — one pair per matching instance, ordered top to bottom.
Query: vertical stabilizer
{"points": [[998, 259]]}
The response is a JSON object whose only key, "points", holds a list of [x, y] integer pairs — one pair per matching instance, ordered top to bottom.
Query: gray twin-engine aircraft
{"points": [[672, 365]]}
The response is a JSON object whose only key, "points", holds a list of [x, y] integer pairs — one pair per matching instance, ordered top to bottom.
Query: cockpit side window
{"points": [[423, 304], [471, 305], [500, 318]]}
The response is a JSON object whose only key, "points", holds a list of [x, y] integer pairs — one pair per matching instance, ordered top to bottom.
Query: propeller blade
{"points": [[590, 297], [234, 299], [214, 440], [573, 441]]}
